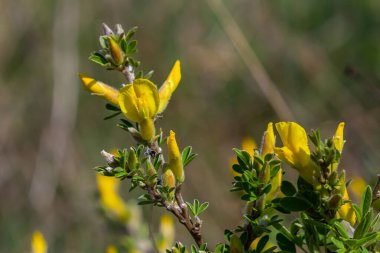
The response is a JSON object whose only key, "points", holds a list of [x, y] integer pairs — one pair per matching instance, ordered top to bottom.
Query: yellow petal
{"points": [[169, 86], [100, 89], [139, 100], [293, 136], [339, 137], [268, 142], [286, 155], [175, 159], [276, 184], [346, 211], [38, 243]]}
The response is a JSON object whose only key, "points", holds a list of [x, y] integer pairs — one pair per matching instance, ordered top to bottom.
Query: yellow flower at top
{"points": [[139, 101], [295, 151], [109, 198], [38, 243]]}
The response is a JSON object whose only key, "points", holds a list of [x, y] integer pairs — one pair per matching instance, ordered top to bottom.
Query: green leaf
{"points": [[131, 32], [131, 47], [98, 58], [149, 74], [111, 107], [111, 116], [187, 156], [237, 168], [288, 188], [366, 200], [295, 204], [203, 207], [261, 244], [285, 244], [219, 248]]}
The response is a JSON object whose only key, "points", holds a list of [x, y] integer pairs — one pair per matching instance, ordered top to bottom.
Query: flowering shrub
{"points": [[326, 219]]}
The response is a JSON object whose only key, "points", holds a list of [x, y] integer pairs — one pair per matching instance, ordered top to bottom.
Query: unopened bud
{"points": [[116, 52], [147, 129], [110, 158], [132, 159], [175, 159], [151, 173], [168, 179], [334, 201]]}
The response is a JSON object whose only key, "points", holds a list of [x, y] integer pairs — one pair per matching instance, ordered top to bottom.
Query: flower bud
{"points": [[116, 52], [100, 89], [147, 129], [268, 142], [132, 159], [175, 159], [151, 173], [168, 179], [236, 246]]}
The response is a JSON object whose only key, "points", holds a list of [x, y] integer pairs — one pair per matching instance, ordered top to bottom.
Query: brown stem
{"points": [[376, 190]]}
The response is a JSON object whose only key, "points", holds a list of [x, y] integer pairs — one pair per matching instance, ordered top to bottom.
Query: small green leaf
{"points": [[131, 32], [131, 47], [98, 58], [288, 188], [366, 200], [295, 204], [203, 207], [261, 244], [285, 244]]}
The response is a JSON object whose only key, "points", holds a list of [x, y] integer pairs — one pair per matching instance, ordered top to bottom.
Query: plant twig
{"points": [[376, 190]]}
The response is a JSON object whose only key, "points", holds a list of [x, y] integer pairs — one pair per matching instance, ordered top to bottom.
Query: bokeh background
{"points": [[244, 63]]}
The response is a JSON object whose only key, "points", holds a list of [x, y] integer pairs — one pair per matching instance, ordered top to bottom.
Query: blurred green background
{"points": [[322, 57]]}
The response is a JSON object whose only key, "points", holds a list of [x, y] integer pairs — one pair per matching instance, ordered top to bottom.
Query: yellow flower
{"points": [[169, 86], [100, 89], [139, 103], [339, 137], [295, 151], [175, 159], [110, 200], [38, 243]]}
